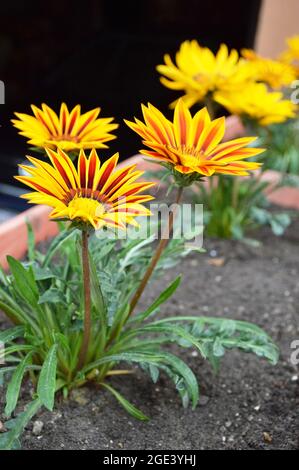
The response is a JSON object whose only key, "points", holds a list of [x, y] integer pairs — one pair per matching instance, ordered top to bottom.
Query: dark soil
{"points": [[249, 405]]}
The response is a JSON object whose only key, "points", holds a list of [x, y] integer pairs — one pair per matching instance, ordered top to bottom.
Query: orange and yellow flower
{"points": [[198, 72], [71, 130], [192, 145], [92, 194]]}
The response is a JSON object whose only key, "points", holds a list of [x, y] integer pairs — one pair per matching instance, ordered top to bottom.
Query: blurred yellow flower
{"points": [[291, 54], [199, 72], [273, 72], [257, 103], [71, 130], [191, 145]]}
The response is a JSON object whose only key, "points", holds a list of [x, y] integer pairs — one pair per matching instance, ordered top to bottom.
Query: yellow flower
{"points": [[291, 54], [198, 71], [273, 72], [257, 103], [71, 130], [192, 145], [94, 194]]}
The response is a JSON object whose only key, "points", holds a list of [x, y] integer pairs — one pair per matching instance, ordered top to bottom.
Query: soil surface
{"points": [[249, 405]]}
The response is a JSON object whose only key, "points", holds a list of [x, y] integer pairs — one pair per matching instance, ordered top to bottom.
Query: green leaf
{"points": [[30, 241], [58, 242], [41, 274], [24, 281], [96, 293], [52, 296], [160, 300], [175, 333], [11, 334], [247, 336], [218, 349], [159, 359], [154, 373], [47, 379], [14, 386], [131, 409], [10, 440]]}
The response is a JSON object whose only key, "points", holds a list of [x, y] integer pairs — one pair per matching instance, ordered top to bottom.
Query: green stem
{"points": [[210, 106], [235, 192], [162, 244], [87, 302]]}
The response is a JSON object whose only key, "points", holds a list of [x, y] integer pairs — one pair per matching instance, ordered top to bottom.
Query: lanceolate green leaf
{"points": [[31, 241], [57, 243], [24, 281], [96, 293], [160, 300], [174, 332], [11, 334], [162, 358], [47, 380], [13, 389], [131, 409], [9, 439]]}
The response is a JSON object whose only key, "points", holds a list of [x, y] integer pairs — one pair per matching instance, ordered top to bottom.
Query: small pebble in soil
{"points": [[213, 253], [294, 378], [79, 396], [203, 400], [257, 408], [228, 424], [37, 428], [267, 437]]}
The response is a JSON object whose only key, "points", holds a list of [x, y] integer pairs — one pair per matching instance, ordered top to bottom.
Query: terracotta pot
{"points": [[13, 233]]}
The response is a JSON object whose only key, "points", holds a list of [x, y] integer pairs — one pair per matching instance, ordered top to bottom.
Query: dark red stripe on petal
{"points": [[41, 118], [52, 121], [63, 121], [72, 121], [88, 121], [183, 129], [157, 130], [110, 167], [91, 169], [62, 171], [82, 171], [113, 186], [41, 189], [134, 190]]}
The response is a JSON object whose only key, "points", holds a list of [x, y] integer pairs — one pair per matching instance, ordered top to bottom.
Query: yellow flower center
{"points": [[189, 156], [85, 208]]}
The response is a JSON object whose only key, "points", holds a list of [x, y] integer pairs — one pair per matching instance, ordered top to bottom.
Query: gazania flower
{"points": [[291, 54], [198, 71], [273, 72], [257, 103], [71, 130], [192, 145], [92, 194]]}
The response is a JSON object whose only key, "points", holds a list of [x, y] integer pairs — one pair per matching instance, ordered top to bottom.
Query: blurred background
{"points": [[104, 52]]}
